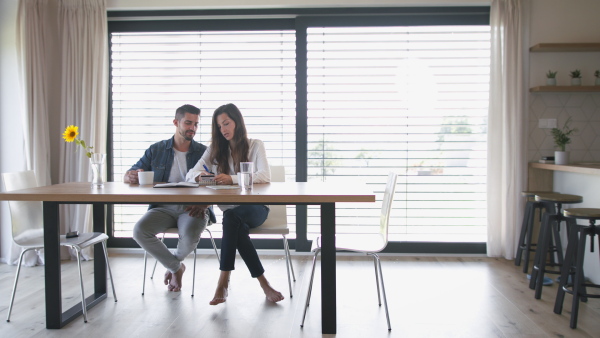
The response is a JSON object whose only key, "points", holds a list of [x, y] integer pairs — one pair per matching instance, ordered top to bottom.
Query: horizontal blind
{"points": [[154, 73], [412, 100]]}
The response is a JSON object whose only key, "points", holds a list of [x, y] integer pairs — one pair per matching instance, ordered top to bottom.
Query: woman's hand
{"points": [[223, 179]]}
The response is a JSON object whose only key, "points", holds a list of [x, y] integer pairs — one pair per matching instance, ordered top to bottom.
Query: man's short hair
{"points": [[186, 108]]}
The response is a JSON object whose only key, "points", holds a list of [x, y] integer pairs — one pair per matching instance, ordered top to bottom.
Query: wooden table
{"points": [[285, 193]]}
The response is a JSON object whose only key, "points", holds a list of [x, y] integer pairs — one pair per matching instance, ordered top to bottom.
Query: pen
{"points": [[206, 168]]}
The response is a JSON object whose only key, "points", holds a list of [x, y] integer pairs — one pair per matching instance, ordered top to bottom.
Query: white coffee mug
{"points": [[146, 177]]}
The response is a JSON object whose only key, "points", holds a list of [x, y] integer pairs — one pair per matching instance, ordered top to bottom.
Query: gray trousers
{"points": [[159, 219]]}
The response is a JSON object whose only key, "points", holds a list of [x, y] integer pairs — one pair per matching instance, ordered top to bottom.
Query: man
{"points": [[170, 160]]}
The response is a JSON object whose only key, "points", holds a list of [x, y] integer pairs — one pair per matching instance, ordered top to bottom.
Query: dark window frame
{"points": [[299, 19]]}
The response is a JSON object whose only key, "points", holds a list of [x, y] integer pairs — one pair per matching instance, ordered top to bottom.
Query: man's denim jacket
{"points": [[159, 158]]}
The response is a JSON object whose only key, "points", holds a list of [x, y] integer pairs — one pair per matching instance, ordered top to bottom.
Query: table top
{"points": [[124, 193]]}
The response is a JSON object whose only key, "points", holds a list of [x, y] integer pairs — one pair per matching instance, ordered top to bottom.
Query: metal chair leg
{"points": [[214, 245], [288, 264], [194, 274], [144, 279], [112, 284], [310, 285], [12, 297], [83, 304], [387, 314]]}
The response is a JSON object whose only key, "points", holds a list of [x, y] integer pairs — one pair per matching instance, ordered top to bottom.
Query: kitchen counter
{"points": [[581, 168]]}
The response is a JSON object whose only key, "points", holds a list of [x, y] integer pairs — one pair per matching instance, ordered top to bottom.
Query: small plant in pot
{"points": [[597, 75], [575, 77], [551, 78], [562, 137]]}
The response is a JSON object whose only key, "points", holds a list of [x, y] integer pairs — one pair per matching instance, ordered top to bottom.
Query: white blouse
{"points": [[258, 155]]}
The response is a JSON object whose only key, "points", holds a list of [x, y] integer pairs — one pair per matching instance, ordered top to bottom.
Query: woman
{"points": [[230, 145]]}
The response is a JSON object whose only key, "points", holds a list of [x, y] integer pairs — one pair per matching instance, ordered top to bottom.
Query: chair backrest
{"points": [[386, 205], [26, 217], [276, 223]]}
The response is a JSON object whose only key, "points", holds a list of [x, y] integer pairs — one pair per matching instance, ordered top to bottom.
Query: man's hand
{"points": [[131, 176], [197, 211]]}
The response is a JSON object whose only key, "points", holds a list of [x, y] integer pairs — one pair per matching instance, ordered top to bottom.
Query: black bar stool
{"points": [[549, 238], [525, 245], [572, 279]]}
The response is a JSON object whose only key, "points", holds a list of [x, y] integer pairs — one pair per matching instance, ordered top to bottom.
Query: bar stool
{"points": [[531, 206], [549, 238], [572, 279]]}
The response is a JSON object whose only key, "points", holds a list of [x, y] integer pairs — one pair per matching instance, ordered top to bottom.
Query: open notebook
{"points": [[178, 185]]}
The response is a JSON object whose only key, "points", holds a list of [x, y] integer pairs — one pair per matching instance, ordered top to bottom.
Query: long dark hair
{"points": [[219, 147]]}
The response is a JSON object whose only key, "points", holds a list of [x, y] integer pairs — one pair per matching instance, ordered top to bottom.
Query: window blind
{"points": [[154, 73], [412, 100]]}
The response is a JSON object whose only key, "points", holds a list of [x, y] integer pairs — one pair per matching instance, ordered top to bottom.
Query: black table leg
{"points": [[99, 225], [52, 266], [328, 273], [55, 318]]}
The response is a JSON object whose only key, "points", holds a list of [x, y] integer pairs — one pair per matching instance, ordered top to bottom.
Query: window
{"points": [[154, 73], [336, 94], [409, 99]]}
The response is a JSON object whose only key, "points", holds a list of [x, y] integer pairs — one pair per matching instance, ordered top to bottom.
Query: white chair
{"points": [[276, 224], [176, 231], [28, 232], [369, 244]]}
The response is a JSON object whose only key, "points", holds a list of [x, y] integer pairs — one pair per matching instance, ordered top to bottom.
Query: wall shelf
{"points": [[566, 47], [566, 89]]}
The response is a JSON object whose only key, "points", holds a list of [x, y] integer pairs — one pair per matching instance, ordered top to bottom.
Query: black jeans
{"points": [[236, 225]]}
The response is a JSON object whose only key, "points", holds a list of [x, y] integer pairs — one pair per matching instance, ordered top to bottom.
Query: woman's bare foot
{"points": [[175, 282], [222, 286], [271, 294], [220, 296]]}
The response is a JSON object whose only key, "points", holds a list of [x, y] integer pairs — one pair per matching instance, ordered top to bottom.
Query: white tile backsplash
{"points": [[584, 111]]}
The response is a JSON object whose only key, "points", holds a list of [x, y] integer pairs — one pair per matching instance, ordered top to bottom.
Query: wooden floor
{"points": [[428, 297]]}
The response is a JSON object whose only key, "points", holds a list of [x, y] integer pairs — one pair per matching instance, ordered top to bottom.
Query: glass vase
{"points": [[96, 162]]}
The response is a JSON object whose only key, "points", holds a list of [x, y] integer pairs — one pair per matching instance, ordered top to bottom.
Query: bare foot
{"points": [[168, 276], [175, 283], [272, 294], [220, 296]]}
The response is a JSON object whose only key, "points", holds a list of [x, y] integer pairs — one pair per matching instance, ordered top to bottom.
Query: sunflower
{"points": [[70, 133]]}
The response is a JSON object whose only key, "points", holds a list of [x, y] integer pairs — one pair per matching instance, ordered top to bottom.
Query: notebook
{"points": [[178, 185], [223, 187]]}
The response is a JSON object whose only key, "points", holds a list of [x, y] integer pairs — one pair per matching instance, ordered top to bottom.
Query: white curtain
{"points": [[83, 34], [32, 36], [506, 128]]}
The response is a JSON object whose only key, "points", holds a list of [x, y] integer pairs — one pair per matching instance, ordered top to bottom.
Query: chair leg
{"points": [[523, 235], [214, 245], [375, 260], [156, 261], [145, 264], [288, 264], [378, 267], [566, 270], [194, 274], [578, 280], [112, 284], [310, 285], [12, 297], [83, 304]]}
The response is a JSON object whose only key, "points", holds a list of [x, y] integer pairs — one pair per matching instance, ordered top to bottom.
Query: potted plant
{"points": [[597, 75], [575, 77], [551, 78], [562, 137]]}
